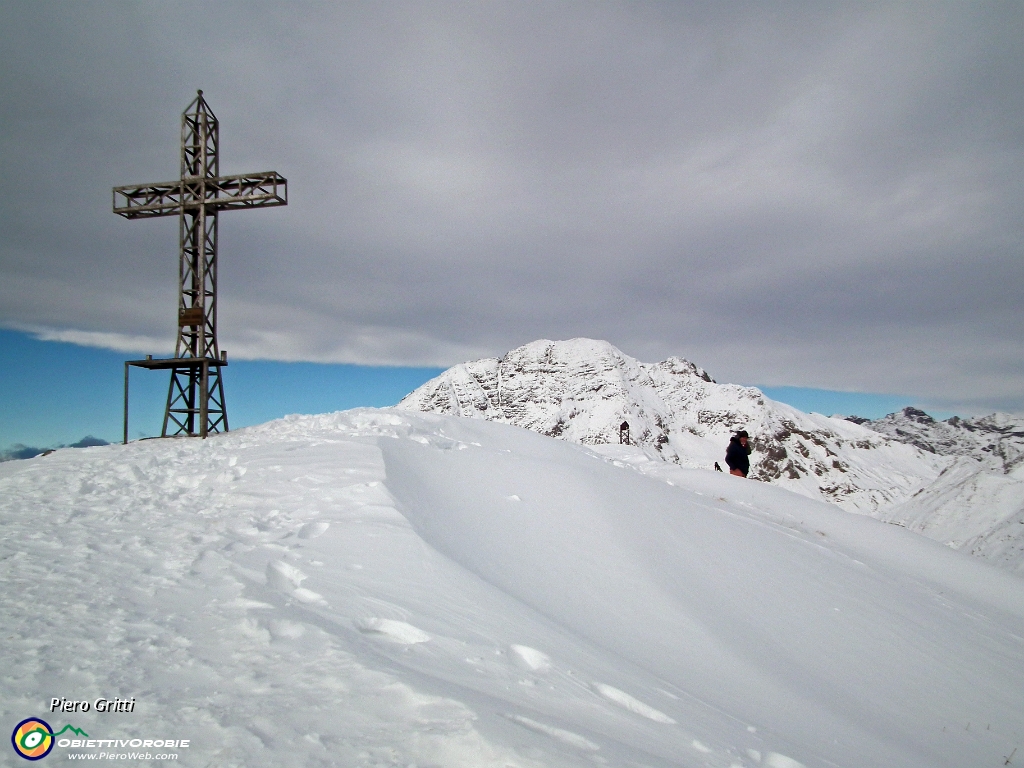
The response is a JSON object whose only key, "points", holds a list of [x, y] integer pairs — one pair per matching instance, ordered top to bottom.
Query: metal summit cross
{"points": [[195, 399]]}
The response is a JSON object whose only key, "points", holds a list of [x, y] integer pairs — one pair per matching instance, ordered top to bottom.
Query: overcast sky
{"points": [[808, 194]]}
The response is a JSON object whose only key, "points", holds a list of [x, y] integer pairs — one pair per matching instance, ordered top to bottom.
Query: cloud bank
{"points": [[785, 193]]}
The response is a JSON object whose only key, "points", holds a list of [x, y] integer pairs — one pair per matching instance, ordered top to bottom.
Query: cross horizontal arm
{"points": [[248, 190], [168, 198], [161, 199]]}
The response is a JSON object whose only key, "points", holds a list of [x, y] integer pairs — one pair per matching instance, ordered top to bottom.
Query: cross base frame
{"points": [[195, 398]]}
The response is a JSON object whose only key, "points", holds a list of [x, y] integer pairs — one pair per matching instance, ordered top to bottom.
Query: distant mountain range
{"points": [[996, 441], [20, 451], [938, 478], [977, 502]]}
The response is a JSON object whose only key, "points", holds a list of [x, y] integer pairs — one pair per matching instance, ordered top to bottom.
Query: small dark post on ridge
{"points": [[195, 399], [624, 433]]}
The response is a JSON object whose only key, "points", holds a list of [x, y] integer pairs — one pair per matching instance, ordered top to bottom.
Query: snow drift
{"points": [[379, 587]]}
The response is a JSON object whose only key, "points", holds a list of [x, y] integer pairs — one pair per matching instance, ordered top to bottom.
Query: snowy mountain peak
{"points": [[682, 366], [581, 390], [915, 414], [1005, 423], [996, 441]]}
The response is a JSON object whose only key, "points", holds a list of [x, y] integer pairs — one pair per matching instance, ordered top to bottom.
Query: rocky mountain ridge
{"points": [[581, 390], [995, 441], [976, 504]]}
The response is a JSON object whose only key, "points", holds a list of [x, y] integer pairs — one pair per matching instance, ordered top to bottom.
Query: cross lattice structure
{"points": [[195, 398]]}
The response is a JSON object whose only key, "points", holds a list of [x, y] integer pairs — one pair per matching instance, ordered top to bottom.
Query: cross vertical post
{"points": [[195, 396]]}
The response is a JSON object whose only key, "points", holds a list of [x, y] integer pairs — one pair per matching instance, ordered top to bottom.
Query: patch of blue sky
{"points": [[55, 393], [829, 402]]}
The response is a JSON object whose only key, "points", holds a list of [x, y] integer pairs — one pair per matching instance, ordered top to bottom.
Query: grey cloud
{"points": [[784, 193]]}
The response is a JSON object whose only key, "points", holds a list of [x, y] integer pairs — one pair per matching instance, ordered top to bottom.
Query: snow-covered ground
{"points": [[976, 510], [379, 587]]}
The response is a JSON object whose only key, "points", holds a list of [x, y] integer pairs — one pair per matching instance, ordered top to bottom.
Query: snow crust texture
{"points": [[582, 390], [388, 588]]}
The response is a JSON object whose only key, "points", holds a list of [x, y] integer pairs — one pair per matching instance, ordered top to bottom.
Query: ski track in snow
{"points": [[271, 595]]}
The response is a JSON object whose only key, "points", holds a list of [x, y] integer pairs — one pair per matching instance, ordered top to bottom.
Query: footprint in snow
{"points": [[231, 475], [314, 529], [284, 576], [308, 596], [282, 629], [391, 630], [530, 658], [634, 705]]}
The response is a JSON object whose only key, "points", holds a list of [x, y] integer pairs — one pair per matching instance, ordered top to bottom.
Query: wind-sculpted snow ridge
{"points": [[582, 390], [388, 588]]}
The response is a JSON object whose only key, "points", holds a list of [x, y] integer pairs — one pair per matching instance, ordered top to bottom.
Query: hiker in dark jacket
{"points": [[737, 454]]}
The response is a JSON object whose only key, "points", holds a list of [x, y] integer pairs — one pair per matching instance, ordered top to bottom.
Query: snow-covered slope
{"points": [[582, 390], [975, 504], [980, 511], [386, 588]]}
